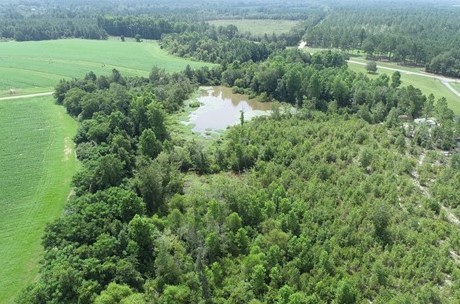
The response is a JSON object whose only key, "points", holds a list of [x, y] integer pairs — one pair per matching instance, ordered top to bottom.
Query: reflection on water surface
{"points": [[221, 108]]}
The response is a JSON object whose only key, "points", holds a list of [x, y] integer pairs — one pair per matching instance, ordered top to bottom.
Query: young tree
{"points": [[371, 67], [396, 79], [149, 144]]}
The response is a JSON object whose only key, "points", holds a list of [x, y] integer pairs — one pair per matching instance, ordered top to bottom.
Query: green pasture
{"points": [[258, 26], [387, 64], [36, 66], [37, 162]]}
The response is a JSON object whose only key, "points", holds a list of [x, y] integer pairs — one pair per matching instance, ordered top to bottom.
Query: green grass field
{"points": [[258, 26], [37, 66], [456, 85], [37, 159], [37, 162]]}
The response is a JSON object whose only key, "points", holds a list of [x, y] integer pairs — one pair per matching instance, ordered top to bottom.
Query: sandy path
{"points": [[448, 85], [26, 96]]}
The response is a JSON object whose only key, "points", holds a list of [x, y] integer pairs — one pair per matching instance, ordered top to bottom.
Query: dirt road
{"points": [[26, 96]]}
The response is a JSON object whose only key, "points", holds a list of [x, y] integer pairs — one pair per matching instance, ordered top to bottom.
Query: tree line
{"points": [[38, 29], [423, 36]]}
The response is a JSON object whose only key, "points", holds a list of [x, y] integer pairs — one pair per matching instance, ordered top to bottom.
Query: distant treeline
{"points": [[145, 26], [48, 29], [419, 36]]}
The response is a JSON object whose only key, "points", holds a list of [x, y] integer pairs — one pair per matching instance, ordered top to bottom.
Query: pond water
{"points": [[220, 108]]}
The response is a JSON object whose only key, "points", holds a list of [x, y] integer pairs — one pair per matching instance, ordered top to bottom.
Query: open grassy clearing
{"points": [[258, 26], [387, 64], [36, 66], [428, 85], [37, 163]]}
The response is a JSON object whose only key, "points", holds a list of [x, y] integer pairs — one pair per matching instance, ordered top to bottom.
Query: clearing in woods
{"points": [[37, 162]]}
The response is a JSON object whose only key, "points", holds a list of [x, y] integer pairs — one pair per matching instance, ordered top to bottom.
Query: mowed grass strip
{"points": [[258, 27], [37, 66], [456, 85], [37, 162]]}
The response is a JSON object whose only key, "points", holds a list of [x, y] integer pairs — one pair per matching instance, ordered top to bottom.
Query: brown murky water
{"points": [[221, 108]]}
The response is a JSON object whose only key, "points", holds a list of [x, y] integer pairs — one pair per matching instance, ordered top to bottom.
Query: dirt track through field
{"points": [[26, 96]]}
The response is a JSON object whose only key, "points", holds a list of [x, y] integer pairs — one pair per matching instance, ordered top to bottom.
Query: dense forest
{"points": [[338, 196], [322, 205]]}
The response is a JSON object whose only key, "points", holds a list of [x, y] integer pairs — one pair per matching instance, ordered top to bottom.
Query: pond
{"points": [[221, 108]]}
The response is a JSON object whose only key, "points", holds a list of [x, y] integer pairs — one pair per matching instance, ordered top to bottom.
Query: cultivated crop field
{"points": [[258, 26], [37, 66], [37, 159], [37, 162]]}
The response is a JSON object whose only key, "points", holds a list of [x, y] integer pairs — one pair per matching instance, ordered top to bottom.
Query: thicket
{"points": [[333, 201], [296, 208]]}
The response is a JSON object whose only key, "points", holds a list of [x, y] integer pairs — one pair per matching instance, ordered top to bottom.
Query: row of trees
{"points": [[146, 27], [39, 29], [416, 37], [222, 49]]}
